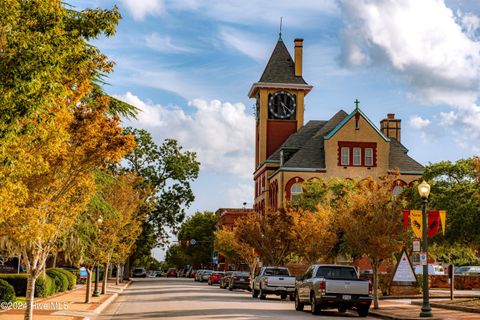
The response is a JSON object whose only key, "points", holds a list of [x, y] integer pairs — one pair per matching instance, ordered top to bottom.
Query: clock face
{"points": [[282, 105]]}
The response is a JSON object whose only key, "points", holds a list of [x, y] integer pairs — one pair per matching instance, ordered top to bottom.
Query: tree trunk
{"points": [[55, 260], [126, 269], [105, 278], [117, 280], [375, 283], [88, 285], [30, 296]]}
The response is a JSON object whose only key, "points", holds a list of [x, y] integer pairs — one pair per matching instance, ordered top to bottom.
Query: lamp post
{"points": [[424, 191]]}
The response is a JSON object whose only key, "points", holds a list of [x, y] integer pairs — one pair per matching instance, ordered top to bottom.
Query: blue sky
{"points": [[188, 64]]}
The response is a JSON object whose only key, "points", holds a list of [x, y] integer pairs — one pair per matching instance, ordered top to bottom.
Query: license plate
{"points": [[242, 279], [280, 289], [347, 297]]}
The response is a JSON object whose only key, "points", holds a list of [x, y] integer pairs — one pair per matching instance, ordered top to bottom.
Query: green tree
{"points": [[167, 171], [201, 227]]}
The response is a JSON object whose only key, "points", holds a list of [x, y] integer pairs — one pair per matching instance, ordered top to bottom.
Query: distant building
{"points": [[287, 152]]}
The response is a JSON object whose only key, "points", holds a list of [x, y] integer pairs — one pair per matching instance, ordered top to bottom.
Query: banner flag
{"points": [[405, 219], [443, 219], [416, 221], [433, 222]]}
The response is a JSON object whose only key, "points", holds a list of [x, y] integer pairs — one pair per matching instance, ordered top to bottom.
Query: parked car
{"points": [[433, 269], [467, 271], [139, 273], [172, 273], [159, 274], [192, 274], [198, 274], [205, 275], [215, 277], [225, 279], [239, 280], [274, 280], [331, 286]]}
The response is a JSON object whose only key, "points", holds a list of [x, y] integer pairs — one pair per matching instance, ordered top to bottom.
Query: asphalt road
{"points": [[185, 299]]}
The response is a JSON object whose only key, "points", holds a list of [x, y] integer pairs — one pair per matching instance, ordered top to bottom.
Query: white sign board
{"points": [[416, 245], [404, 274]]}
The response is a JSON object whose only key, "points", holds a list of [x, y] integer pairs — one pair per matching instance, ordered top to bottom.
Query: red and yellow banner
{"points": [[443, 220], [416, 222], [433, 222]]}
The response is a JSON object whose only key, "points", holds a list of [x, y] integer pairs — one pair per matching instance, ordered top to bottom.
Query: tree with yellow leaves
{"points": [[371, 221], [229, 245]]}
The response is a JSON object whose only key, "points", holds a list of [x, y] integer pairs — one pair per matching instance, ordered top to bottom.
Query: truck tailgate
{"points": [[283, 281], [347, 286]]}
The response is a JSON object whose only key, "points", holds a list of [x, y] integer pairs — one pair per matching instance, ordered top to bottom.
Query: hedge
{"points": [[71, 277], [60, 280], [44, 286], [7, 293]]}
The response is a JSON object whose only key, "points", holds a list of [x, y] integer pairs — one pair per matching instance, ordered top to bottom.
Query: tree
{"points": [[167, 171], [459, 181], [371, 220], [201, 227], [314, 233], [269, 234], [236, 251]]}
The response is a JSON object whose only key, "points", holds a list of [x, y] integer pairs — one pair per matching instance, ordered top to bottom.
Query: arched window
{"points": [[397, 190], [295, 191]]}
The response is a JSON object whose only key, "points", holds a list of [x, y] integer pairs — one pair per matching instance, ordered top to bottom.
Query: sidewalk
{"points": [[69, 305], [403, 309]]}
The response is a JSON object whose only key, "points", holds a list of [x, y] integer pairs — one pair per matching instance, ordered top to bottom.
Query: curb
{"points": [[459, 296], [107, 302], [449, 307], [381, 315]]}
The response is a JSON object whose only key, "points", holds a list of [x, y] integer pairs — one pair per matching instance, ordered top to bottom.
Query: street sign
{"points": [[193, 242], [416, 245], [423, 258], [404, 274]]}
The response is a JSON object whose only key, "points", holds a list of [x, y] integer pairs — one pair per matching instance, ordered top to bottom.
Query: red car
{"points": [[172, 273], [215, 277]]}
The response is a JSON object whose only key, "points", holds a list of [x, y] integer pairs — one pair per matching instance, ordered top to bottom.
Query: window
{"points": [[345, 156], [357, 156], [368, 157], [397, 190], [296, 191]]}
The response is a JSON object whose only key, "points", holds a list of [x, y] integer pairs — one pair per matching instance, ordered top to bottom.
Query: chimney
{"points": [[298, 56], [391, 127]]}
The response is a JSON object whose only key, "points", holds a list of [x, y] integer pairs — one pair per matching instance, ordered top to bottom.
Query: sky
{"points": [[189, 64]]}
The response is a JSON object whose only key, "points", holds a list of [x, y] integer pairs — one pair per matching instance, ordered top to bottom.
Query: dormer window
{"points": [[357, 154]]}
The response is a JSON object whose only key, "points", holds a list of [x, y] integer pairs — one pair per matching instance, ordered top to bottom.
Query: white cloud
{"points": [[139, 9], [303, 13], [419, 40], [245, 43], [165, 44], [448, 118], [418, 122], [222, 134], [239, 194]]}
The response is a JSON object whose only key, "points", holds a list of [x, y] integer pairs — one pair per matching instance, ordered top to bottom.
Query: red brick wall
{"points": [[277, 132], [461, 282]]}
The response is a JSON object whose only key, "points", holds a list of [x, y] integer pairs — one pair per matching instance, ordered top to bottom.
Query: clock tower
{"points": [[279, 95]]}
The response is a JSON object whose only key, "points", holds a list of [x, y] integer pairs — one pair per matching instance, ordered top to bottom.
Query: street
{"points": [[172, 298]]}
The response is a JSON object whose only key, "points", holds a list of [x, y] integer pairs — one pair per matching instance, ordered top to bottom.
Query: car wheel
{"points": [[209, 283], [230, 288], [254, 293], [262, 294], [283, 296], [292, 297], [313, 303], [298, 305], [342, 309], [363, 311]]}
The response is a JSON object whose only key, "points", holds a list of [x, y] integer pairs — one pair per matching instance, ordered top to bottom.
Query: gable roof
{"points": [[281, 67], [350, 116]]}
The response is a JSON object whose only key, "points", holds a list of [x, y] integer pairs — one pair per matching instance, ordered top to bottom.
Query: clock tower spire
{"points": [[279, 98]]}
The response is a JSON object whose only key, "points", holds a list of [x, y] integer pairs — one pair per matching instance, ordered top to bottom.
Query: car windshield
{"points": [[138, 270], [207, 271], [277, 272], [218, 273], [336, 273], [241, 274]]}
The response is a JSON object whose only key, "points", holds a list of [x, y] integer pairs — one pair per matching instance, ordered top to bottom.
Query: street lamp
{"points": [[424, 191], [96, 292]]}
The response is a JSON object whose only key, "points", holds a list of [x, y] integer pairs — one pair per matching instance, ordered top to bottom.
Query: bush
{"points": [[71, 277], [60, 280], [43, 286], [7, 293]]}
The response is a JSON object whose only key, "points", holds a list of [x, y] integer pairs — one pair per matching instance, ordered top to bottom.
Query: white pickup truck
{"points": [[273, 280], [328, 286]]}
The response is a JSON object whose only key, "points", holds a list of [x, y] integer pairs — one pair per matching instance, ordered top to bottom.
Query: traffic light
{"points": [[187, 243]]}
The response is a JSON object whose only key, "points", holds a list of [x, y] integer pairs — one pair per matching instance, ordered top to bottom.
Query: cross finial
{"points": [[280, 33], [356, 103]]}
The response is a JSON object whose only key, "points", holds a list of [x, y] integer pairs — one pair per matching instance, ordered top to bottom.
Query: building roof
{"points": [[281, 67], [305, 148]]}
